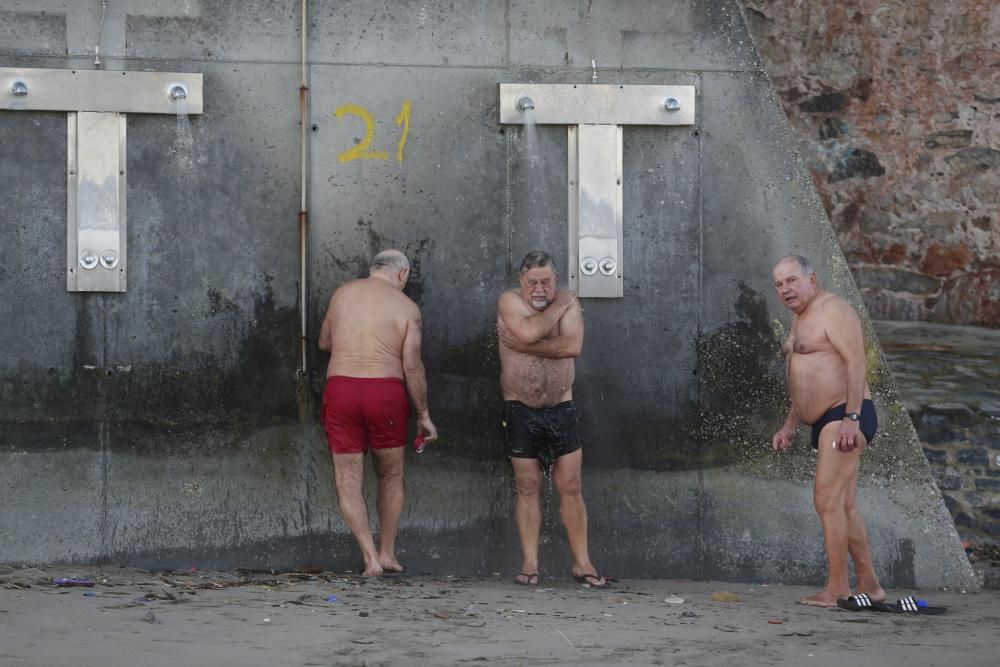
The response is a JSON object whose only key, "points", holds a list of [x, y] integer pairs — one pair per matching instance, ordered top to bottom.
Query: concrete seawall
{"points": [[167, 426]]}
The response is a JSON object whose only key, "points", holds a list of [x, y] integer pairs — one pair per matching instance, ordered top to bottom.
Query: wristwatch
{"points": [[853, 416]]}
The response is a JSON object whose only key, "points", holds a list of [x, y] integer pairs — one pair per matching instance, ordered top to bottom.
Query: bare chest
{"points": [[806, 338]]}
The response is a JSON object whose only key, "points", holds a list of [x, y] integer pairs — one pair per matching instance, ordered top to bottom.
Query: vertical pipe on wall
{"points": [[303, 211]]}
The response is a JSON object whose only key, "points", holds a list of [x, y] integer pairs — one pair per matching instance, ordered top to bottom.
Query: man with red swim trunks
{"points": [[372, 332]]}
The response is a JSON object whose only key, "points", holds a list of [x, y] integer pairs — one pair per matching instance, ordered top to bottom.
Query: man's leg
{"points": [[389, 470], [349, 474], [836, 476], [573, 511], [527, 512], [857, 542]]}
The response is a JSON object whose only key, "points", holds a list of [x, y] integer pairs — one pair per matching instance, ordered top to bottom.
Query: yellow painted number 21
{"points": [[360, 151]]}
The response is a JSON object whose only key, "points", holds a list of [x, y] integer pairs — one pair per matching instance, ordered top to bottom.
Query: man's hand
{"points": [[564, 298], [507, 339], [426, 427], [847, 439], [782, 440]]}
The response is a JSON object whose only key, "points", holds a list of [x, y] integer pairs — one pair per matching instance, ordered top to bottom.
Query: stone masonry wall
{"points": [[897, 106], [949, 381]]}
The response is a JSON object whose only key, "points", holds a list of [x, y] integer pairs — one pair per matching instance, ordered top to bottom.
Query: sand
{"points": [[132, 617]]}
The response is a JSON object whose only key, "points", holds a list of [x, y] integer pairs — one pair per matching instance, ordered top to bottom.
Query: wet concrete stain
{"points": [[218, 303], [742, 383]]}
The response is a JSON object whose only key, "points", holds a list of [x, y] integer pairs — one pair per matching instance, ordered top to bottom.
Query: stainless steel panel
{"points": [[99, 90], [601, 104], [95, 202], [595, 211]]}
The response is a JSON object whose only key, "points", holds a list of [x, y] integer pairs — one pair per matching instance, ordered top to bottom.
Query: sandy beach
{"points": [[131, 617]]}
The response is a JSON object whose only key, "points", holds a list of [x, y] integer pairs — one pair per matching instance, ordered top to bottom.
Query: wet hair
{"points": [[392, 259], [536, 259], [807, 268]]}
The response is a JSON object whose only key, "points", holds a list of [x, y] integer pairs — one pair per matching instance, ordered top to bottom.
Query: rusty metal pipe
{"points": [[303, 208]]}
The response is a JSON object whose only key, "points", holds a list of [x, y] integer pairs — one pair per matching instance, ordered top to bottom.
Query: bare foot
{"points": [[390, 565], [372, 569], [526, 579], [875, 594], [822, 599]]}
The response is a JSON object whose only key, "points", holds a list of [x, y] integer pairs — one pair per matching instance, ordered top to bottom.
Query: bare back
{"points": [[367, 322], [816, 371], [531, 379]]}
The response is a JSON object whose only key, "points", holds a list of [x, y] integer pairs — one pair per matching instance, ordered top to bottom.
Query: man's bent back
{"points": [[369, 319]]}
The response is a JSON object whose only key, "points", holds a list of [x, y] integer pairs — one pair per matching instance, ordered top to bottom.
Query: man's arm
{"points": [[529, 327], [843, 328], [326, 331], [567, 344], [416, 379], [782, 440]]}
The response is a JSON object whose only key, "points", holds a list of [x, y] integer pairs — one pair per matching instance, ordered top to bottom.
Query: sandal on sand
{"points": [[526, 579], [592, 580], [862, 602], [911, 605]]}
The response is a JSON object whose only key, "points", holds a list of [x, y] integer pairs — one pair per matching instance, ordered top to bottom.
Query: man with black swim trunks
{"points": [[541, 333], [825, 368]]}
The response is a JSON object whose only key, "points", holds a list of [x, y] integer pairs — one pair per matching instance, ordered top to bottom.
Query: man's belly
{"points": [[535, 381], [816, 383]]}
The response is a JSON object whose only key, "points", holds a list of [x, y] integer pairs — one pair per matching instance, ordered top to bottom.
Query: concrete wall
{"points": [[167, 427]]}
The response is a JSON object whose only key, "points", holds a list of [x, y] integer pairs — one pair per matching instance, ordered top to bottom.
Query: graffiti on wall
{"points": [[361, 150]]}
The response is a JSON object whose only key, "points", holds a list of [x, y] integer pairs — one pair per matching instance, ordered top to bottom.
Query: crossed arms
{"points": [[553, 333]]}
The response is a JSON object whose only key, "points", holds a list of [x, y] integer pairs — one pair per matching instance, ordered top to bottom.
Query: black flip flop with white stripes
{"points": [[862, 602], [911, 605]]}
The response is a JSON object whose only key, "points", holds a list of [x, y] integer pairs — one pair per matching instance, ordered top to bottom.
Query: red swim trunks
{"points": [[363, 413]]}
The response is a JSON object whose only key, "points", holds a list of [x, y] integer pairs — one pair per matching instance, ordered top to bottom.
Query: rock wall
{"points": [[897, 107], [949, 379]]}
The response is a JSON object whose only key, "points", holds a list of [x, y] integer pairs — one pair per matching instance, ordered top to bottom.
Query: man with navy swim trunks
{"points": [[825, 368]]}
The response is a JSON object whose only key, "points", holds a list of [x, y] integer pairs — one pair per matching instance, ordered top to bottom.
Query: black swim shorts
{"points": [[868, 423], [540, 433]]}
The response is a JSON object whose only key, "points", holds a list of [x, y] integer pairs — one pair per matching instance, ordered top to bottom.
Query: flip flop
{"points": [[529, 579], [585, 580], [861, 602], [911, 605]]}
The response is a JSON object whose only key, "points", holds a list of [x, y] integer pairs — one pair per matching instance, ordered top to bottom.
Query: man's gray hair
{"points": [[392, 259], [536, 259], [804, 264]]}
